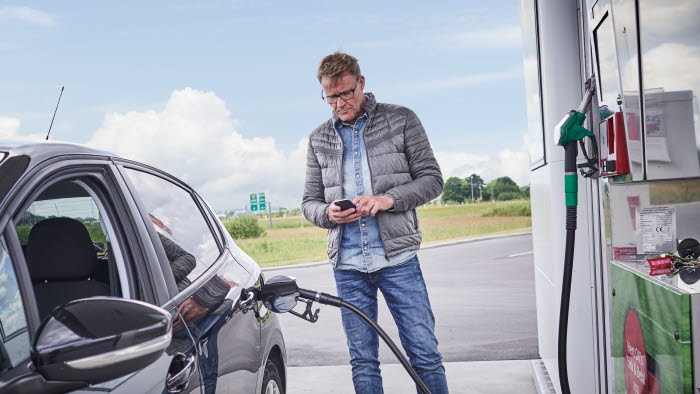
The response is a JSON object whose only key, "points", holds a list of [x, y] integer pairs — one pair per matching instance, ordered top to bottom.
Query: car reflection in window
{"points": [[204, 312]]}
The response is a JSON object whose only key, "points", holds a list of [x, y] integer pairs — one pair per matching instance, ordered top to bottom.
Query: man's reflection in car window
{"points": [[181, 262], [204, 312]]}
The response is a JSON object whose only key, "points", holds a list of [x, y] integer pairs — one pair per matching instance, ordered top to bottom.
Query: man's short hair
{"points": [[336, 65]]}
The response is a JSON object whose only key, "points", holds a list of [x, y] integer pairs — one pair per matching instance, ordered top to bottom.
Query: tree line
{"points": [[474, 189]]}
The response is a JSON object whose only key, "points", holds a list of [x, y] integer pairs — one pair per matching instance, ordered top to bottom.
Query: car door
{"points": [[84, 191], [208, 280]]}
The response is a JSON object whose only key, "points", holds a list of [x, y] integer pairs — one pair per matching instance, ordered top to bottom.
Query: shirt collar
{"points": [[369, 107], [339, 124]]}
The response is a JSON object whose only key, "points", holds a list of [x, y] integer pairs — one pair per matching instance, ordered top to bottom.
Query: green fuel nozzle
{"points": [[571, 129], [567, 133]]}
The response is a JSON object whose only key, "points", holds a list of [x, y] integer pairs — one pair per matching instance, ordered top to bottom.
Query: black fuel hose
{"points": [[570, 152], [327, 299]]}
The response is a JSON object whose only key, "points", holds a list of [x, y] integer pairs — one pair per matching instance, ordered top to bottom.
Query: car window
{"points": [[83, 209], [181, 226], [70, 245], [14, 346]]}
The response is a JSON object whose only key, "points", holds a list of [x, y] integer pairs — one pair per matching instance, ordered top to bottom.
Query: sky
{"points": [[223, 94]]}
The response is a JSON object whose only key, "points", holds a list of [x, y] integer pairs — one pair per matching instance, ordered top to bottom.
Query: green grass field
{"points": [[288, 243]]}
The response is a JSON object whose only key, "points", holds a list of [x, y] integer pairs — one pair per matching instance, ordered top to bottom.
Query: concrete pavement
{"points": [[483, 299], [474, 377]]}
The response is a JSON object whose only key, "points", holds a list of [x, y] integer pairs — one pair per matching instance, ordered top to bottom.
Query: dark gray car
{"points": [[158, 277]]}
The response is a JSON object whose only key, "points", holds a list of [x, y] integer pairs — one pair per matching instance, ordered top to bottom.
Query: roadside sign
{"points": [[258, 202]]}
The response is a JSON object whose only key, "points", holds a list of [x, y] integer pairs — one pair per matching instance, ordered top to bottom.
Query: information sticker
{"points": [[656, 230]]}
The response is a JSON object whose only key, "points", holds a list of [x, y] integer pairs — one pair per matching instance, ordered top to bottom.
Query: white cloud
{"points": [[27, 15], [670, 20], [504, 37], [496, 38], [669, 67], [672, 67], [464, 80], [419, 86], [8, 127], [9, 131], [194, 138], [514, 163]]}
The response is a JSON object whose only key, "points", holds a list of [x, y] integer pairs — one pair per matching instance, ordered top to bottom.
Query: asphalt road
{"points": [[483, 298]]}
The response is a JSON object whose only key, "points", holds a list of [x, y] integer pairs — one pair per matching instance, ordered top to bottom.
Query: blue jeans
{"points": [[406, 296]]}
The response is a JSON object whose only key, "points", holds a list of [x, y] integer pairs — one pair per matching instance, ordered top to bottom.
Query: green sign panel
{"points": [[258, 202], [651, 334]]}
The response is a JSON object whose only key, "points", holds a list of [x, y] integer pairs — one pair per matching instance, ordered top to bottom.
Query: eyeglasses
{"points": [[346, 95]]}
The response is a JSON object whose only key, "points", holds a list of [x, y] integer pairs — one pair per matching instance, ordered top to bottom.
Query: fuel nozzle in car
{"points": [[281, 293]]}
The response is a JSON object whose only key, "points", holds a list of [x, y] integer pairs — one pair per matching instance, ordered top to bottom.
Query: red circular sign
{"points": [[635, 355]]}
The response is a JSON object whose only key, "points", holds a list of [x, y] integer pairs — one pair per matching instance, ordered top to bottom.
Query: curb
{"points": [[428, 246]]}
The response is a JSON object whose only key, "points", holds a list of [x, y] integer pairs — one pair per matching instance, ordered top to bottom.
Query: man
{"points": [[378, 156]]}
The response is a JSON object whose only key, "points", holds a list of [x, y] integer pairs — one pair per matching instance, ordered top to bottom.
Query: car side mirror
{"points": [[279, 293], [97, 339]]}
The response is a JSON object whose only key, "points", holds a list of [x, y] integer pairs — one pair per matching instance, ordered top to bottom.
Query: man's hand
{"points": [[370, 205], [335, 215], [190, 311]]}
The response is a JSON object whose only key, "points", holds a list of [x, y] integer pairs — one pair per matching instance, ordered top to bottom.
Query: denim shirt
{"points": [[361, 247]]}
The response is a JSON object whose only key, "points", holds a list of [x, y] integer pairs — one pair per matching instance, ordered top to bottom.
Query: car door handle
{"points": [[180, 371]]}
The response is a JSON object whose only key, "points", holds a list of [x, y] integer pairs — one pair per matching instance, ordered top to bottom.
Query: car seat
{"points": [[62, 261]]}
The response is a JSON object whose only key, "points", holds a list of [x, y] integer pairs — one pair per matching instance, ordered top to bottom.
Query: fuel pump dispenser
{"points": [[568, 133], [635, 298]]}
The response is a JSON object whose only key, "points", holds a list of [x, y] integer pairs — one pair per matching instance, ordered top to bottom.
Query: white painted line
{"points": [[520, 254]]}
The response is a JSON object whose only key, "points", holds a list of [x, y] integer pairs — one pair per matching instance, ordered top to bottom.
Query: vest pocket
{"points": [[387, 136], [328, 151], [328, 157]]}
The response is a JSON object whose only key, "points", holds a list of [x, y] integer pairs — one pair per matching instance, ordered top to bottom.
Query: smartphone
{"points": [[344, 204]]}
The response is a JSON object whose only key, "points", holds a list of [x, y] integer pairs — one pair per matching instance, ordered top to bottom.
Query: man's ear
{"points": [[362, 82]]}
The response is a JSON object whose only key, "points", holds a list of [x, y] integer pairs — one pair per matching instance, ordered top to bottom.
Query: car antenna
{"points": [[54, 112]]}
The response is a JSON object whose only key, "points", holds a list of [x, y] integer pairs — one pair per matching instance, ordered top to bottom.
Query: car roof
{"points": [[44, 150], [39, 151]]}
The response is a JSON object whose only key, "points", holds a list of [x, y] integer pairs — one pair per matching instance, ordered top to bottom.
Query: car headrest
{"points": [[60, 249]]}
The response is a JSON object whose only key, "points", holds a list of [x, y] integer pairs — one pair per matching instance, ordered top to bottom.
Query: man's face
{"points": [[351, 109]]}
